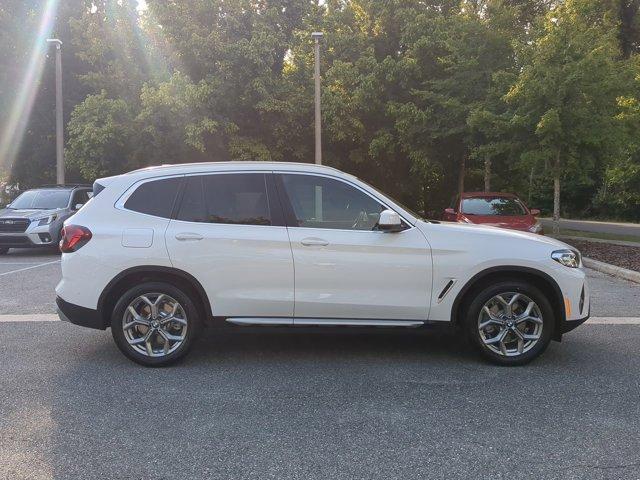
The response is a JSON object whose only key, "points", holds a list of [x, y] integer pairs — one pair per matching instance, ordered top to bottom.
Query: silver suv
{"points": [[35, 217]]}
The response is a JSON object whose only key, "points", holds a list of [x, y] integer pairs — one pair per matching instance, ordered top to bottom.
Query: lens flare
{"points": [[11, 136]]}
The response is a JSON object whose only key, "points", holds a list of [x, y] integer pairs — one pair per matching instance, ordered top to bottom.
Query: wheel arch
{"points": [[135, 275], [540, 279]]}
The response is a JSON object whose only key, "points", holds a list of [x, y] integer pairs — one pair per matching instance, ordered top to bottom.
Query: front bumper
{"points": [[34, 237], [85, 317], [569, 325]]}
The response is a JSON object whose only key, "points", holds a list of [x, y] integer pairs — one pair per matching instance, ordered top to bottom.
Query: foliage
{"points": [[418, 96]]}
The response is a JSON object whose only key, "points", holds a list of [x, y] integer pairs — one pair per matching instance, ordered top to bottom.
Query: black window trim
{"points": [[273, 200], [292, 220]]}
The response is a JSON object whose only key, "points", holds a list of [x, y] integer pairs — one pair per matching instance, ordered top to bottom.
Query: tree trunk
{"points": [[461, 175], [487, 175], [530, 186], [556, 196]]}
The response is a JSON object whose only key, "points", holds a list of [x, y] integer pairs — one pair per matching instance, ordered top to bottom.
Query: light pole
{"points": [[318, 115], [59, 118]]}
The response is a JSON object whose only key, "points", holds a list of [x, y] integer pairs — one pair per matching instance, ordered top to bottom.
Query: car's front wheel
{"points": [[4, 251], [510, 323], [155, 324]]}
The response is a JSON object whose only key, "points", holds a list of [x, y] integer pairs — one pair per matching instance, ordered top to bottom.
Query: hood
{"points": [[31, 214], [519, 222], [484, 232]]}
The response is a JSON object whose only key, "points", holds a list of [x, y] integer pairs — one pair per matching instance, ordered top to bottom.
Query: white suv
{"points": [[160, 252]]}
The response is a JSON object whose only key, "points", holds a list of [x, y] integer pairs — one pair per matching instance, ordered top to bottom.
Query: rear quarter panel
{"points": [[86, 272]]}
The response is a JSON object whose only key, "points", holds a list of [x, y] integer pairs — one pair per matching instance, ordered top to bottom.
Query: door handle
{"points": [[185, 237], [312, 241]]}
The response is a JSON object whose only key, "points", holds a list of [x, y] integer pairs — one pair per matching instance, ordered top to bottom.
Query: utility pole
{"points": [[318, 113], [59, 118]]}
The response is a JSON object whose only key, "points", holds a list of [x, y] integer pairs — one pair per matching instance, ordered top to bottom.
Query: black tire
{"points": [[4, 250], [191, 312], [472, 314]]}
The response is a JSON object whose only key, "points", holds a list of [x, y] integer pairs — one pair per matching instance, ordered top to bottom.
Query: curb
{"points": [[609, 269]]}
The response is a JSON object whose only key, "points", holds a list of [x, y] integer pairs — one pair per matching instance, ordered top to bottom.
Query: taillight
{"points": [[73, 238]]}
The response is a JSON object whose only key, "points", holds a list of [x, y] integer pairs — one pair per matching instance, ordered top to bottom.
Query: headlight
{"points": [[47, 220], [537, 228], [568, 258]]}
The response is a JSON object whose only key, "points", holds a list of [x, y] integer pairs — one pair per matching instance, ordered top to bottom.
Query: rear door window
{"points": [[155, 197], [235, 198]]}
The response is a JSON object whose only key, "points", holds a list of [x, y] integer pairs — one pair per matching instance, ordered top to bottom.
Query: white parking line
{"points": [[28, 268], [35, 317], [52, 317], [614, 321]]}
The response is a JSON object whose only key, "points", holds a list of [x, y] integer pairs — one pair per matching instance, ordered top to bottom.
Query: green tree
{"points": [[565, 96], [101, 137]]}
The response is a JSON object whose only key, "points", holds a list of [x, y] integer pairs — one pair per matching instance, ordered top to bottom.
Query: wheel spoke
{"points": [[514, 299], [153, 305], [528, 318], [137, 319], [170, 319], [491, 321], [170, 337], [530, 337], [497, 339], [148, 346]]}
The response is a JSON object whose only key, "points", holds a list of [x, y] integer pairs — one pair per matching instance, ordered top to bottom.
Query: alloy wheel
{"points": [[154, 324], [510, 324]]}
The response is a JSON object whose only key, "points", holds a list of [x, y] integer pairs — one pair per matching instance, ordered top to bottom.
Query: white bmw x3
{"points": [[159, 253]]}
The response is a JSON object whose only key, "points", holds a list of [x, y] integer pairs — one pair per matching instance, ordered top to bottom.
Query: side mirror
{"points": [[78, 206], [449, 211], [535, 212], [389, 221]]}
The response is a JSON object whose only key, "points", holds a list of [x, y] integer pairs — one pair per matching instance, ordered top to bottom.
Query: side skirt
{"points": [[329, 322]]}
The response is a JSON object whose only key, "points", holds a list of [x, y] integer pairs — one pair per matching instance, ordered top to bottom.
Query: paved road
{"points": [[598, 227], [281, 404]]}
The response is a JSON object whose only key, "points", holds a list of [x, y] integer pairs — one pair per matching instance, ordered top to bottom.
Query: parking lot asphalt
{"points": [[299, 405], [305, 406]]}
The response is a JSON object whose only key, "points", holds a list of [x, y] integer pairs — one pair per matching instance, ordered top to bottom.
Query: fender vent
{"points": [[446, 289], [581, 305]]}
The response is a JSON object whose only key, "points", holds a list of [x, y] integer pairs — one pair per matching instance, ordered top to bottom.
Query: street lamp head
{"points": [[317, 35], [56, 41]]}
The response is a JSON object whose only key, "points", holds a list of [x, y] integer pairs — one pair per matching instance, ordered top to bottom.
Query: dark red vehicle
{"points": [[504, 210]]}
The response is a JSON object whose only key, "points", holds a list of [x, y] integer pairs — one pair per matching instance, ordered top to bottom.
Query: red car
{"points": [[504, 210]]}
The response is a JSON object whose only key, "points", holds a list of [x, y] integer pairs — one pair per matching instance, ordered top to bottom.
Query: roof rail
{"points": [[65, 185]]}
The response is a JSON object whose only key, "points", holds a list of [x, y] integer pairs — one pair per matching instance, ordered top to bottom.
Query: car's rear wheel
{"points": [[4, 251], [510, 323], [155, 324]]}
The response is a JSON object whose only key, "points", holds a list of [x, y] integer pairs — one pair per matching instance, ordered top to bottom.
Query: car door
{"points": [[229, 233], [344, 267]]}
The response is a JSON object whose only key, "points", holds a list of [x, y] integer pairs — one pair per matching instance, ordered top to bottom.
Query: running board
{"points": [[326, 322]]}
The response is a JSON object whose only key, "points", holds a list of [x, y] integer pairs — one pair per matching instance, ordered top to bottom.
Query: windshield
{"points": [[41, 200], [493, 206]]}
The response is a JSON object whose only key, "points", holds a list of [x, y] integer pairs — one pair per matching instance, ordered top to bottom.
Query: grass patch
{"points": [[599, 235]]}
